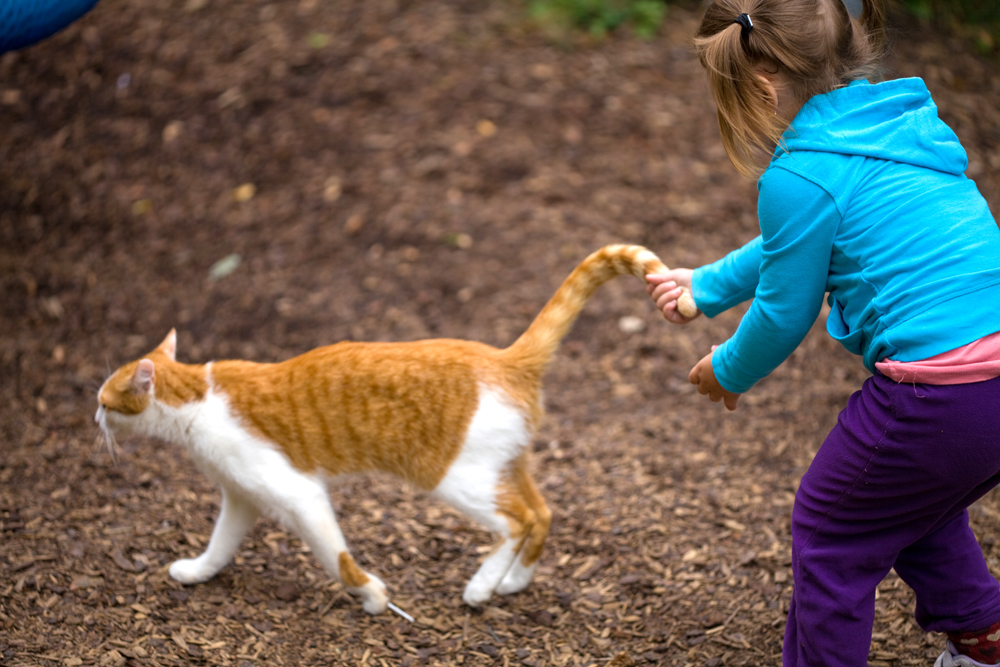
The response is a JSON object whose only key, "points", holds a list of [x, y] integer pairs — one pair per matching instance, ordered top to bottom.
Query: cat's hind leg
{"points": [[485, 482], [526, 501], [513, 508], [235, 520], [489, 575]]}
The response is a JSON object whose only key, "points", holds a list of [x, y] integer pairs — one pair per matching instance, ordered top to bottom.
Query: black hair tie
{"points": [[745, 23]]}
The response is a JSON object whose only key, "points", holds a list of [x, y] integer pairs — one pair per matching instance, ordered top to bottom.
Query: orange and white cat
{"points": [[449, 416]]}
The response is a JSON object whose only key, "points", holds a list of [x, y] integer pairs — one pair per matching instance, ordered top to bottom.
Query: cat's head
{"points": [[125, 396]]}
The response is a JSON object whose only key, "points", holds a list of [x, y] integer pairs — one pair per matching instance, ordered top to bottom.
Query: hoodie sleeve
{"points": [[798, 222], [719, 286]]}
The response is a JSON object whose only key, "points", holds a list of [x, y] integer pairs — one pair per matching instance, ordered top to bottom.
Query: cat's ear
{"points": [[169, 345], [145, 376]]}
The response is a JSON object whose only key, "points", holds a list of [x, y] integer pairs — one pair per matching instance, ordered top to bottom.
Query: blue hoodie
{"points": [[24, 22], [867, 201]]}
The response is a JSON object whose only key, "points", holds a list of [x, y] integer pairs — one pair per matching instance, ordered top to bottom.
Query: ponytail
{"points": [[873, 21], [814, 45], [747, 120]]}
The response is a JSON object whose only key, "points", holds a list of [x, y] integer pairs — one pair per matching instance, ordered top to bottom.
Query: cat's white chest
{"points": [[223, 448]]}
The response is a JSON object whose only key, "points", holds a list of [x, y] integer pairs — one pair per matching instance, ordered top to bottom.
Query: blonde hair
{"points": [[814, 45]]}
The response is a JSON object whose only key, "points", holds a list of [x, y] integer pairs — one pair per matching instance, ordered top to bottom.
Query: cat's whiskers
{"points": [[107, 435], [106, 438], [112, 443]]}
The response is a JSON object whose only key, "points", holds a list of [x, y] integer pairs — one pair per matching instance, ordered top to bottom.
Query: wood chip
{"points": [[121, 561]]}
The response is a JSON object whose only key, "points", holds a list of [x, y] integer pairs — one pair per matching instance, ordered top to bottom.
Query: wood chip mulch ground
{"points": [[272, 176]]}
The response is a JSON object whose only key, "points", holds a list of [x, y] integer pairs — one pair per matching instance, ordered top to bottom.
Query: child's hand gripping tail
{"points": [[671, 290]]}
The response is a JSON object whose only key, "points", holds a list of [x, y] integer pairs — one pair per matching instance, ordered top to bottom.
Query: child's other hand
{"points": [[666, 288], [703, 376]]}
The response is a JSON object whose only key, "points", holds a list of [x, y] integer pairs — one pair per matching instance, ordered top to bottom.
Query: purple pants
{"points": [[889, 488]]}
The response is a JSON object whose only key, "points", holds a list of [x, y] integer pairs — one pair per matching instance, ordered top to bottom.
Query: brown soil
{"points": [[415, 169]]}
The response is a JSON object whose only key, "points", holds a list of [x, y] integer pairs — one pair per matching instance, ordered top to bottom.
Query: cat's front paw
{"points": [[190, 571], [477, 593], [374, 595]]}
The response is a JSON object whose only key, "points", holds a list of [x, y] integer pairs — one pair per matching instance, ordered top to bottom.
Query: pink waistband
{"points": [[975, 362]]}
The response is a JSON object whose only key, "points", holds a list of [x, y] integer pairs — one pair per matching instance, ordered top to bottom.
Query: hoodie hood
{"points": [[894, 120]]}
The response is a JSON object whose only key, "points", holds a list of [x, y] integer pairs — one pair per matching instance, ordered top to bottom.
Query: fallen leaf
{"points": [[317, 40], [486, 128], [245, 192], [223, 268]]}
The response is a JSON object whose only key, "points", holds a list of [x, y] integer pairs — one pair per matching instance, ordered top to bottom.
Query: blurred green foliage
{"points": [[972, 12], [598, 17], [978, 20]]}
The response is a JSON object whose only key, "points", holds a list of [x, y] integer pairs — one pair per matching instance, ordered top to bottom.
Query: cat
{"points": [[451, 417]]}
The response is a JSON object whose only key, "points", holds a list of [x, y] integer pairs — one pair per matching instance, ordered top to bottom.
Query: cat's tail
{"points": [[537, 345]]}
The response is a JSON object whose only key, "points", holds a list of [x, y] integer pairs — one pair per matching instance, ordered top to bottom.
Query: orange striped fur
{"points": [[451, 417]]}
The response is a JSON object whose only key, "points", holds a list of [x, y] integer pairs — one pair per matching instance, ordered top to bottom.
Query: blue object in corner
{"points": [[24, 22]]}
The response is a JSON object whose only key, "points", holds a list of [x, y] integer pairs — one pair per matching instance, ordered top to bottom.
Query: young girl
{"points": [[864, 198]]}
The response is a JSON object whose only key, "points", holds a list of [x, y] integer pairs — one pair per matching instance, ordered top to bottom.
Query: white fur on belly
{"points": [[497, 433]]}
